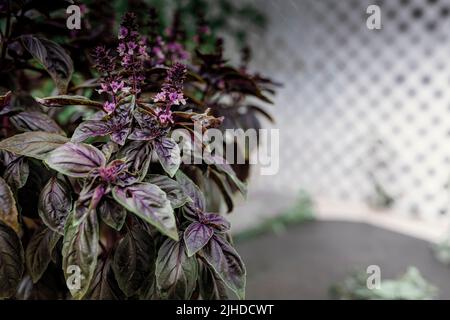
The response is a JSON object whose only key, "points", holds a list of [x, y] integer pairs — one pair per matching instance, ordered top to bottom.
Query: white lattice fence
{"points": [[364, 115]]}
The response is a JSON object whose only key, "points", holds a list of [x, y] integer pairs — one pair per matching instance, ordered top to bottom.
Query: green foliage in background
{"points": [[301, 211], [410, 286]]}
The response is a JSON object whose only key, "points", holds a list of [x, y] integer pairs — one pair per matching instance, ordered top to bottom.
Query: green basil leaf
{"points": [[16, 171], [196, 236]]}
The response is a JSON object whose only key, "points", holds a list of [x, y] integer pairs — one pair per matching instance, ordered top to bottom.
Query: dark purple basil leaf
{"points": [[53, 57], [63, 100], [143, 119], [35, 121], [119, 124], [149, 128], [89, 129], [139, 134], [119, 136], [33, 144], [168, 154], [138, 156], [75, 159], [222, 166], [16, 170], [125, 179], [172, 188], [191, 189], [149, 203], [55, 204], [8, 209], [191, 212], [112, 213], [217, 222], [196, 236], [80, 250], [39, 252], [134, 260], [12, 261], [227, 264], [176, 273], [104, 285], [210, 285]]}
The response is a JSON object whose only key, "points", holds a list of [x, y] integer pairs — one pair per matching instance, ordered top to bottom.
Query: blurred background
{"points": [[364, 120]]}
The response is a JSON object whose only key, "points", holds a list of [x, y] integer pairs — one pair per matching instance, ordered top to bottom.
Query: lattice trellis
{"points": [[363, 113]]}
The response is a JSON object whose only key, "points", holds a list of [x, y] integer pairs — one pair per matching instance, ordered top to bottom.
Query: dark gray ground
{"points": [[305, 260]]}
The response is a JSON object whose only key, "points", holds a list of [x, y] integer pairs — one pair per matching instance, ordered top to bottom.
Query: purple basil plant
{"points": [[104, 207]]}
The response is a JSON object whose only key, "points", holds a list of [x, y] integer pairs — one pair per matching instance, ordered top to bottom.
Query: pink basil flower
{"points": [[109, 107]]}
